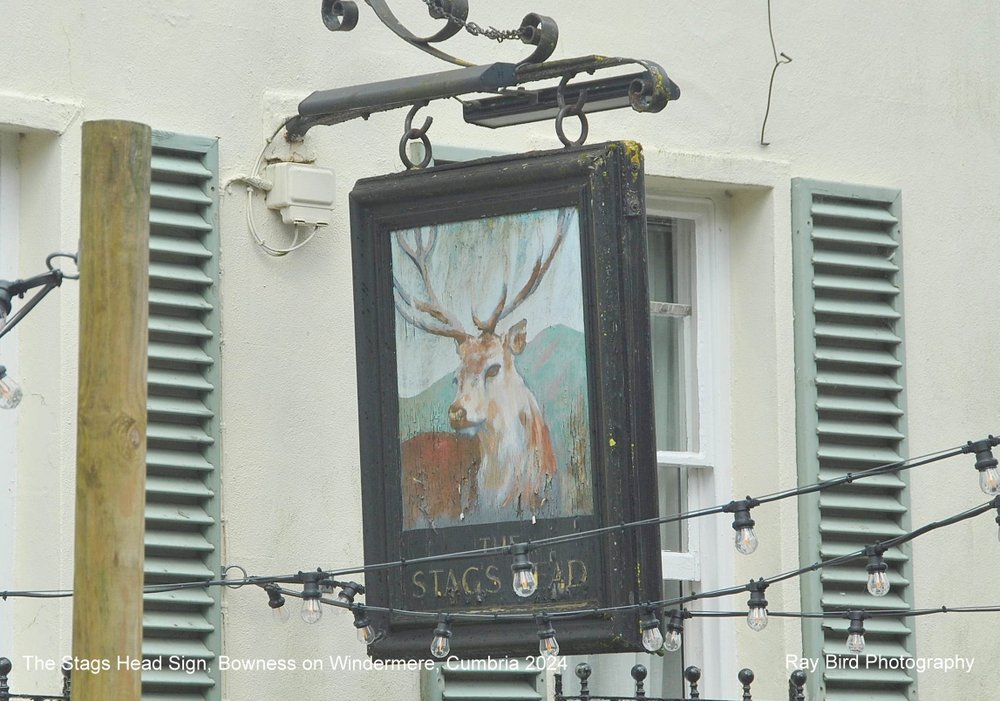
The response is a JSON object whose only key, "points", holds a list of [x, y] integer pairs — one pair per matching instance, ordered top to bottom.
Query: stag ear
{"points": [[517, 337]]}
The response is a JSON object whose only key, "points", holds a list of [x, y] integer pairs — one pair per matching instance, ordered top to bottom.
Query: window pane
{"points": [[670, 268]]}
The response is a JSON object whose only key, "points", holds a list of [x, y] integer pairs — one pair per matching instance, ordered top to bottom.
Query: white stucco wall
{"points": [[888, 94]]}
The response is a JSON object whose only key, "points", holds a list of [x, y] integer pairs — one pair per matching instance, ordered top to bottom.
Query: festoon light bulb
{"points": [[10, 391], [989, 475], [746, 540], [878, 580], [525, 583], [312, 609], [757, 611], [279, 612], [649, 625], [675, 628], [856, 632], [366, 634], [441, 643], [548, 646]]}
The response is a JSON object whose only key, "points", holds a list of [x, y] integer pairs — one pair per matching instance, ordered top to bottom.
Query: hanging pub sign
{"points": [[503, 354]]}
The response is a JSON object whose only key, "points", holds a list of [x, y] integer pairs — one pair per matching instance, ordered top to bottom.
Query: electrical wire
{"points": [[255, 182], [328, 577]]}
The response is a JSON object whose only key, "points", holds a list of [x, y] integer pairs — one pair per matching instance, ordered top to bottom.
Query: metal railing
{"points": [[796, 684], [6, 694]]}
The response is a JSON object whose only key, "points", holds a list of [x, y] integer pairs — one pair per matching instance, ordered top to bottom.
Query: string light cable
{"points": [[254, 181], [555, 540], [315, 583]]}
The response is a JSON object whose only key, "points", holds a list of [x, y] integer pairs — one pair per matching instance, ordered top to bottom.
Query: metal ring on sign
{"points": [[576, 109], [584, 127], [411, 134], [71, 256], [246, 576]]}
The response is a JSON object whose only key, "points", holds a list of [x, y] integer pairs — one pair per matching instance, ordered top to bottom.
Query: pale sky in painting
{"points": [[469, 264]]}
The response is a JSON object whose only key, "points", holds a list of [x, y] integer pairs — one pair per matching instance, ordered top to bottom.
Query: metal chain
{"points": [[499, 35]]}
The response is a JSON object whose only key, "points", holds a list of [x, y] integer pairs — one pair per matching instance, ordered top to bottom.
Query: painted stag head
{"points": [[492, 401]]}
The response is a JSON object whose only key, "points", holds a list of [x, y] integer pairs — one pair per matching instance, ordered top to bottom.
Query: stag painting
{"points": [[492, 370]]}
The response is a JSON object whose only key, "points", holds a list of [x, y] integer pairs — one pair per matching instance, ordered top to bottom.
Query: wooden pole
{"points": [[111, 409]]}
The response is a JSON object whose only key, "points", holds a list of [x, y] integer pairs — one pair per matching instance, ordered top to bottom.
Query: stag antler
{"points": [[538, 271], [451, 326]]}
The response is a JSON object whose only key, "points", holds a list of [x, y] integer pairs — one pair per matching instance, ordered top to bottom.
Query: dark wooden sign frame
{"points": [[584, 205]]}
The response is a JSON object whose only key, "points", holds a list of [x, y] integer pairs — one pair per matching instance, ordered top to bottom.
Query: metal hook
{"points": [[574, 110], [411, 134], [72, 256]]}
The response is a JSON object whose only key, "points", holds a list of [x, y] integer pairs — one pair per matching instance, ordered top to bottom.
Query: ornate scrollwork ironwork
{"points": [[535, 30]]}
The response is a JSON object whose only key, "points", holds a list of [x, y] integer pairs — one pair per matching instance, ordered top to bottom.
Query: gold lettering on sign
{"points": [[557, 576], [418, 581]]}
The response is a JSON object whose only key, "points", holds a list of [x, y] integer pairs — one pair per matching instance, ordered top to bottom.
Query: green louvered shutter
{"points": [[851, 416], [182, 506], [449, 682]]}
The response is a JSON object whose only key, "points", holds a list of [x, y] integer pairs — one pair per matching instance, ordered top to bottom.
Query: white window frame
{"points": [[10, 195], [707, 561]]}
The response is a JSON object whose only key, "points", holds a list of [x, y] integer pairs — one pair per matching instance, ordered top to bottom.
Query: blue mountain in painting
{"points": [[553, 366]]}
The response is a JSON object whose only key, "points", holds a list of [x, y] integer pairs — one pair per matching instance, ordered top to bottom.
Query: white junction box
{"points": [[304, 193]]}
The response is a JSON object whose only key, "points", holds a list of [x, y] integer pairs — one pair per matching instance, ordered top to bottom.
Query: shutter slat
{"points": [[165, 164], [172, 194], [856, 210], [163, 220], [847, 235], [174, 247], [855, 261], [176, 273], [849, 283], [179, 300], [858, 308], [172, 327], [848, 332], [163, 352], [856, 356], [172, 379], [857, 380], [859, 405], [177, 407], [859, 429], [163, 433], [175, 460], [161, 488], [837, 500], [177, 516], [869, 530], [174, 543], [831, 550], [176, 569], [857, 579], [188, 599], [858, 601], [879, 627], [160, 647], [870, 677], [177, 680], [871, 695]]}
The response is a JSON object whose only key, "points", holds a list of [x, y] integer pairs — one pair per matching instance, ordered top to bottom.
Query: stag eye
{"points": [[492, 371]]}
